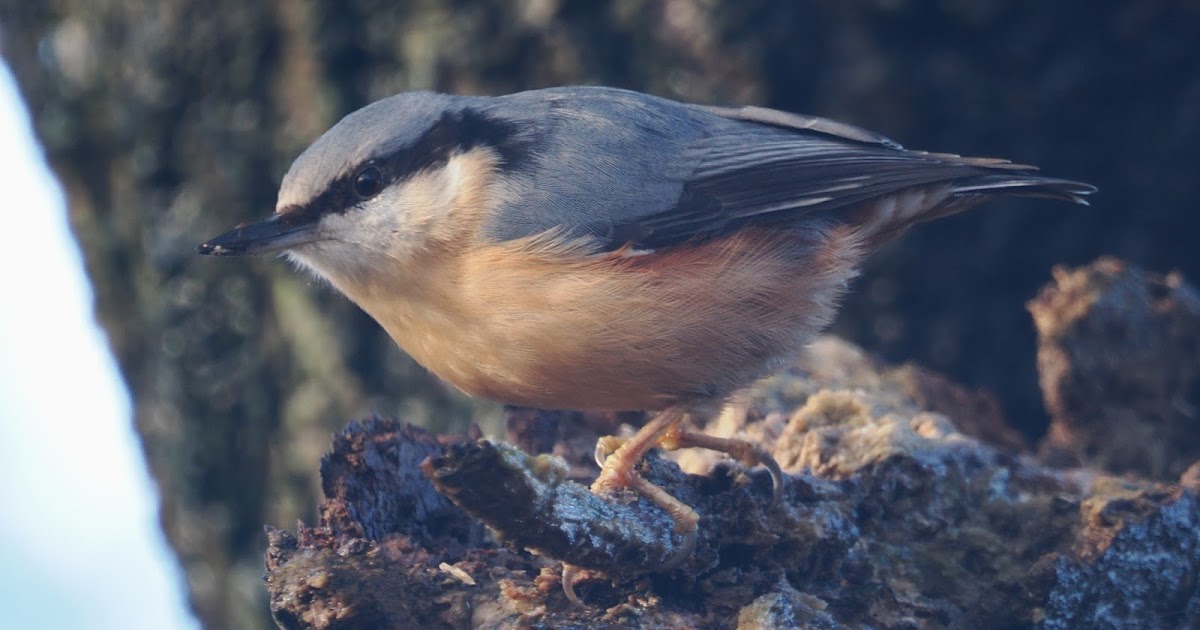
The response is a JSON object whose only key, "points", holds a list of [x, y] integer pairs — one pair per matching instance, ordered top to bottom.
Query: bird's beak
{"points": [[281, 231]]}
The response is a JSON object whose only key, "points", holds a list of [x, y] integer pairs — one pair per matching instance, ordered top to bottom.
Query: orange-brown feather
{"points": [[537, 322]]}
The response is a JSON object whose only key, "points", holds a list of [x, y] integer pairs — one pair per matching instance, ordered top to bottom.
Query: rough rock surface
{"points": [[1119, 359], [892, 518]]}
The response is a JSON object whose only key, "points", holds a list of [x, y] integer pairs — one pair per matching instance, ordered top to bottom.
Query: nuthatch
{"points": [[599, 249]]}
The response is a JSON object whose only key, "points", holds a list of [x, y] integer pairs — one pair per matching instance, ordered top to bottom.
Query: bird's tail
{"points": [[1024, 184], [889, 217]]}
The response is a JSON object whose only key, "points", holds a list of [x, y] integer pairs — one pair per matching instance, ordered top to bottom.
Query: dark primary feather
{"points": [[631, 169]]}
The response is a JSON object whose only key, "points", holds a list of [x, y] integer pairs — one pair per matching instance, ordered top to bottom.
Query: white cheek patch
{"points": [[454, 175], [398, 220], [393, 227], [299, 258], [331, 261]]}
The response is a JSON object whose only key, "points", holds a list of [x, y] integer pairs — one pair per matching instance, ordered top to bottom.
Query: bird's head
{"points": [[386, 184]]}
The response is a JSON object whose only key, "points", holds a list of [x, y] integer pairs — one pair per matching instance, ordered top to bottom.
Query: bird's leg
{"points": [[674, 438], [748, 454], [618, 458], [617, 470], [686, 519]]}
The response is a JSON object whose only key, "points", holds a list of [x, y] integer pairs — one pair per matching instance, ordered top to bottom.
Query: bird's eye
{"points": [[368, 182]]}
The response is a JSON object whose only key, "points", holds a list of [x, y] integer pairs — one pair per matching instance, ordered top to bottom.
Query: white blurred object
{"points": [[80, 545]]}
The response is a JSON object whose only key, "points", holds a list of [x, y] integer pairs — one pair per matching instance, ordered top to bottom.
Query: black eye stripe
{"points": [[454, 132]]}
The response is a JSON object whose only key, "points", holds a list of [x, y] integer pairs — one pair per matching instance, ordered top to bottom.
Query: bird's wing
{"points": [[760, 165], [619, 169]]}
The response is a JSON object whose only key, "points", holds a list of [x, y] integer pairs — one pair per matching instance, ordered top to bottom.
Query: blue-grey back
{"points": [[603, 157]]}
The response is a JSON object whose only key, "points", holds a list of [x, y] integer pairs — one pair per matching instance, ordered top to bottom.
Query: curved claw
{"points": [[605, 446], [776, 472], [685, 550], [569, 573]]}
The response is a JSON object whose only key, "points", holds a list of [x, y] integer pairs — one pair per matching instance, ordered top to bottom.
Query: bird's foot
{"points": [[744, 452]]}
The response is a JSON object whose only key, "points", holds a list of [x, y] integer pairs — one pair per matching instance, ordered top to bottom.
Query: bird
{"points": [[594, 248]]}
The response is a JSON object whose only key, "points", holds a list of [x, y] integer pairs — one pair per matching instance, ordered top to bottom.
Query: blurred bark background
{"points": [[169, 121]]}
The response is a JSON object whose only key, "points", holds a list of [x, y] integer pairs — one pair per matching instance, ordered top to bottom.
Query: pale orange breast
{"points": [[538, 324]]}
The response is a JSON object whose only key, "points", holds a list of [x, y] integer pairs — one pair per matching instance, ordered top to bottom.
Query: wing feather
{"points": [[761, 165], [622, 169]]}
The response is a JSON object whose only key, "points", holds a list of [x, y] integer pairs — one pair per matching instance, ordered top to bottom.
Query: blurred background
{"points": [[169, 121]]}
